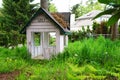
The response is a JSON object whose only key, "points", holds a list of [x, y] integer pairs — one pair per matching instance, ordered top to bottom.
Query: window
{"points": [[37, 39], [52, 39]]}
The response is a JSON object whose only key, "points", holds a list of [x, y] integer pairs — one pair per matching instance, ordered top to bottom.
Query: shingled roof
{"points": [[65, 16], [63, 30]]}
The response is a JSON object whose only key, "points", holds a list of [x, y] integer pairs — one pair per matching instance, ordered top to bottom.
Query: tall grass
{"points": [[102, 51], [18, 52], [12, 59], [19, 59], [94, 59]]}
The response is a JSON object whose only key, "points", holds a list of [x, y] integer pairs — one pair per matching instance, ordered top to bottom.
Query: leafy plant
{"points": [[114, 10]]}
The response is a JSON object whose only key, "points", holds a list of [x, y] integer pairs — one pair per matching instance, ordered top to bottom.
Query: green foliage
{"points": [[109, 1], [52, 8], [80, 9], [75, 10], [114, 11], [15, 14], [114, 19], [95, 26], [101, 28], [119, 29], [80, 35], [3, 39], [11, 39], [102, 51], [95, 59], [11, 60], [9, 65], [84, 72]]}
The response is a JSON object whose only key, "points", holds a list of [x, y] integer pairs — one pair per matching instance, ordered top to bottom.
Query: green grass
{"points": [[102, 51], [95, 59], [11, 60]]}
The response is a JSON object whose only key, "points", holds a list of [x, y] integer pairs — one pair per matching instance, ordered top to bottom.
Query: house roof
{"points": [[47, 14], [91, 15], [65, 16], [60, 19], [86, 19]]}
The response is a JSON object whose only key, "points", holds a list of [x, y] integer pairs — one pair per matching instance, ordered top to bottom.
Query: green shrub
{"points": [[80, 35], [100, 50]]}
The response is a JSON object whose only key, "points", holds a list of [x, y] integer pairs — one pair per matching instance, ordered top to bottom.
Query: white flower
{"points": [[76, 55]]}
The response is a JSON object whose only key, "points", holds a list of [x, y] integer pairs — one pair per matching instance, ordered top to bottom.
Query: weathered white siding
{"points": [[43, 22]]}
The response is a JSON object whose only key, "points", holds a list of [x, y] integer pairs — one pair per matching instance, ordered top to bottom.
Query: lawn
{"points": [[89, 59]]}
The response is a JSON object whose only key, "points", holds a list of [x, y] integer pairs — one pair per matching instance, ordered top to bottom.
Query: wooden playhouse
{"points": [[45, 35]]}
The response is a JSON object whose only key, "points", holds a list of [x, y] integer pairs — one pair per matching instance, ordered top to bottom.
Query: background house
{"points": [[86, 20]]}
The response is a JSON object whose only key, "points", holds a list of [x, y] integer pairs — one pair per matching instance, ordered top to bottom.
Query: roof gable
{"points": [[50, 17]]}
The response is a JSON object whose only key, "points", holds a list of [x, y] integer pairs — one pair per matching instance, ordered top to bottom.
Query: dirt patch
{"points": [[9, 76]]}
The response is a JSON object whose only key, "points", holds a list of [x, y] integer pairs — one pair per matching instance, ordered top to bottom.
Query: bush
{"points": [[101, 28], [80, 35], [3, 39], [11, 39]]}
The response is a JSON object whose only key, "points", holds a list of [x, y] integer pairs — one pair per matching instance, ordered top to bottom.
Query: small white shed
{"points": [[45, 35]]}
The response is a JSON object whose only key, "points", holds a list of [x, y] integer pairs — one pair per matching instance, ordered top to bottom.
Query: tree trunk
{"points": [[44, 4], [114, 31]]}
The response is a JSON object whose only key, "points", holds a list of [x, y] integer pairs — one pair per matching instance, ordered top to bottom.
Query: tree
{"points": [[52, 8], [80, 9], [76, 10], [114, 10], [15, 14]]}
